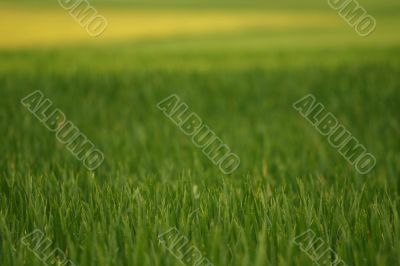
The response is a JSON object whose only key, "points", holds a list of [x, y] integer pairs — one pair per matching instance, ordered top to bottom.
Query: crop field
{"points": [[151, 195]]}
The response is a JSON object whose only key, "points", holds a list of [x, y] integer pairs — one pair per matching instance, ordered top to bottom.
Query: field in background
{"points": [[49, 25], [240, 66]]}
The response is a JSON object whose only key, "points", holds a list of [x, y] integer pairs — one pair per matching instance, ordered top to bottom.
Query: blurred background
{"points": [[269, 24], [239, 64]]}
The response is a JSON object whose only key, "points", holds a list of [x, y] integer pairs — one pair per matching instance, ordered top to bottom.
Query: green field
{"points": [[242, 83]]}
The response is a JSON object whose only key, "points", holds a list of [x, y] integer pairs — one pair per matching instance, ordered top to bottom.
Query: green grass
{"points": [[289, 180]]}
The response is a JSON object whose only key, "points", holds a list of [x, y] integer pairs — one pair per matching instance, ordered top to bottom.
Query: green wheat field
{"points": [[240, 66]]}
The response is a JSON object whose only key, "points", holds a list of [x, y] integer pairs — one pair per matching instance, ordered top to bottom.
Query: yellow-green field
{"points": [[24, 27]]}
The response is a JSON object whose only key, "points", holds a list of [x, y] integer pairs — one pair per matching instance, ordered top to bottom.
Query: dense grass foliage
{"points": [[153, 178], [289, 180]]}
